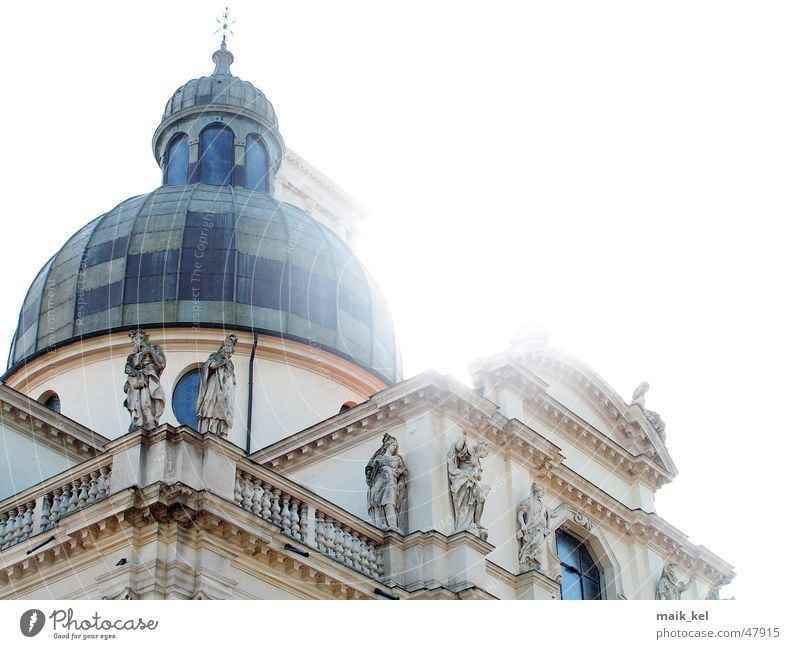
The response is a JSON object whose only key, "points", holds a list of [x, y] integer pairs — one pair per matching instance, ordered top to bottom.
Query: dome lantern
{"points": [[219, 130]]}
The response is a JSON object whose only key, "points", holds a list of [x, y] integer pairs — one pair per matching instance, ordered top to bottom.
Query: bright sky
{"points": [[624, 172]]}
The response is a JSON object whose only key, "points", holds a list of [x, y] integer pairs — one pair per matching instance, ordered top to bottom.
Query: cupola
{"points": [[219, 130]]}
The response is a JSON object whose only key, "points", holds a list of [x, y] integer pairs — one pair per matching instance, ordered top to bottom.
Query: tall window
{"points": [[216, 156], [255, 164], [177, 167], [184, 397], [580, 574]]}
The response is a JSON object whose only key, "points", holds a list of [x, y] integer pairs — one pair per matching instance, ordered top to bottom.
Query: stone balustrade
{"points": [[205, 463], [35, 511], [309, 520]]}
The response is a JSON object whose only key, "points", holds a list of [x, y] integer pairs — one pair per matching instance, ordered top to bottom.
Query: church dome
{"points": [[208, 255]]}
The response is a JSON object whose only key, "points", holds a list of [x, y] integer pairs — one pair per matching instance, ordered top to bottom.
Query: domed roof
{"points": [[222, 89], [211, 256]]}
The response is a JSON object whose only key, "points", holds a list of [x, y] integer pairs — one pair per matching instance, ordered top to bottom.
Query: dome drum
{"points": [[243, 129]]}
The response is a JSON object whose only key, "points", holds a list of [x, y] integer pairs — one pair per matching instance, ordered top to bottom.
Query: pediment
{"points": [[568, 394]]}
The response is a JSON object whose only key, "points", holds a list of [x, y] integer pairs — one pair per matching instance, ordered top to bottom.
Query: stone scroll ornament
{"points": [[144, 396], [215, 397], [464, 472], [387, 486], [534, 526], [669, 586]]}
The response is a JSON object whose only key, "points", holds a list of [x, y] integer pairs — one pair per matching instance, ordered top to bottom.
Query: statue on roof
{"points": [[639, 394], [144, 396], [215, 398], [653, 417], [464, 472], [387, 482]]}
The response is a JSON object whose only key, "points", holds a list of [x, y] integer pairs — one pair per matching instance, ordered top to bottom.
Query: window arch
{"points": [[216, 155], [256, 164], [176, 169], [184, 397], [51, 400], [581, 574]]}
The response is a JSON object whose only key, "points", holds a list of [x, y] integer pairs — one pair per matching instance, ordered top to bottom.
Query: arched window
{"points": [[216, 155], [256, 164], [177, 166], [184, 397], [51, 400], [581, 576]]}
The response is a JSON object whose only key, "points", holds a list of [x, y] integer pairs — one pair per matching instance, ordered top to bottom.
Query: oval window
{"points": [[184, 397]]}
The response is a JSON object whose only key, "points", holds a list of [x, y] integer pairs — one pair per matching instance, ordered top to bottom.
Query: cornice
{"points": [[326, 183], [28, 416], [512, 438], [644, 466], [646, 527], [24, 567]]}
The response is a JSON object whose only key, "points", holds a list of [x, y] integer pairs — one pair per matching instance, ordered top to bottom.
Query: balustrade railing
{"points": [[37, 512], [307, 521]]}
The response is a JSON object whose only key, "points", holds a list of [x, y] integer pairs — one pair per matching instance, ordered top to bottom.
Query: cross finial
{"points": [[225, 27]]}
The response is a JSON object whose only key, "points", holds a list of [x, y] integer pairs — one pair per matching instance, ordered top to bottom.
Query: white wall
{"points": [[286, 398], [24, 463]]}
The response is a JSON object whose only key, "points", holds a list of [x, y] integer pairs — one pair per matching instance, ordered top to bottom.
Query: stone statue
{"points": [[639, 394], [144, 396], [215, 397], [653, 417], [658, 424], [387, 482], [466, 492], [534, 526], [669, 586]]}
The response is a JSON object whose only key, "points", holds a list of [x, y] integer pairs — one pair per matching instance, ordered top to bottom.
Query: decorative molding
{"points": [[27, 416], [650, 463], [162, 507]]}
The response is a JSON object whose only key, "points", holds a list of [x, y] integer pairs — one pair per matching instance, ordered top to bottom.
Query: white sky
{"points": [[625, 172]]}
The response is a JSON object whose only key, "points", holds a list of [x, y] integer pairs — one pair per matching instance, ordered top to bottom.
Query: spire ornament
{"points": [[225, 27], [222, 57]]}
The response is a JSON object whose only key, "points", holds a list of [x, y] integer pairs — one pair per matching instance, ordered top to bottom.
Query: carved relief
{"points": [[144, 396], [215, 398], [464, 472], [387, 480], [583, 520], [669, 586]]}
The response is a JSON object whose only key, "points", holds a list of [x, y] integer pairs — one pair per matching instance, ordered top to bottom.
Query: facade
{"points": [[204, 399]]}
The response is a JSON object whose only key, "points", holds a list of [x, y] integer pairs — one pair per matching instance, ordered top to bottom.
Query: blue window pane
{"points": [[216, 159], [178, 162], [255, 164], [184, 397], [54, 403], [567, 549], [581, 577], [570, 585], [591, 589]]}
